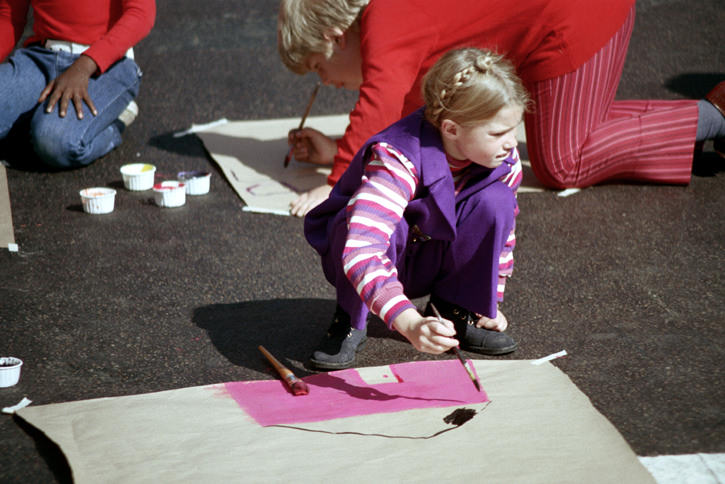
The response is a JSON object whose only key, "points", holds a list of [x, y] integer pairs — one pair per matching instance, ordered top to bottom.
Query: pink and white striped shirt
{"points": [[388, 185]]}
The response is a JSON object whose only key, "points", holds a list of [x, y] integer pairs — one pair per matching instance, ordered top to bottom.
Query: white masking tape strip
{"points": [[201, 127], [568, 192], [248, 208], [553, 356], [23, 403]]}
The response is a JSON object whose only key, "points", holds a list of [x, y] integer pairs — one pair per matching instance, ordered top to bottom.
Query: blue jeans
{"points": [[66, 142]]}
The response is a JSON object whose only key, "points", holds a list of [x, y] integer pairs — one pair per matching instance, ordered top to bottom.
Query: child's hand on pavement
{"points": [[309, 200], [426, 334]]}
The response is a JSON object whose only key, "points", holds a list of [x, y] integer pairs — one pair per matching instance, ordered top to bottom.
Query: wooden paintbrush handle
{"points": [[277, 365]]}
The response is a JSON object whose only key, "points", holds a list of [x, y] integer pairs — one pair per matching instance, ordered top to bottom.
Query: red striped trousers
{"points": [[578, 135]]}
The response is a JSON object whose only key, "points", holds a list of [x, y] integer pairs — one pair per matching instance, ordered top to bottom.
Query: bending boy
{"points": [[569, 55]]}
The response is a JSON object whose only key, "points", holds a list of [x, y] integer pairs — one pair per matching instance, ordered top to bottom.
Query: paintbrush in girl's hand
{"points": [[302, 122], [457, 351], [297, 386]]}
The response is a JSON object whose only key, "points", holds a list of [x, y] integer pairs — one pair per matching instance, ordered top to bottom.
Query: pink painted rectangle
{"points": [[420, 384]]}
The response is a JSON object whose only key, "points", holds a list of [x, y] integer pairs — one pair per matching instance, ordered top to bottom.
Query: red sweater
{"points": [[110, 27], [402, 39]]}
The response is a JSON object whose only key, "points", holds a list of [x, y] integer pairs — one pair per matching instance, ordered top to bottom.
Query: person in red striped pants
{"points": [[569, 55], [578, 135]]}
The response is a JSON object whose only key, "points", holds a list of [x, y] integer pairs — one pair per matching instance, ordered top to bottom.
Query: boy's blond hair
{"points": [[302, 24], [471, 85]]}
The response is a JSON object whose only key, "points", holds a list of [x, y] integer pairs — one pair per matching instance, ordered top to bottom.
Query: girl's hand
{"points": [[71, 87], [311, 146], [499, 323], [426, 334]]}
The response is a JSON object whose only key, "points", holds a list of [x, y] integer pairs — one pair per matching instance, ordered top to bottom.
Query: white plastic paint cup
{"points": [[138, 176], [197, 182], [170, 194], [98, 200], [9, 371]]}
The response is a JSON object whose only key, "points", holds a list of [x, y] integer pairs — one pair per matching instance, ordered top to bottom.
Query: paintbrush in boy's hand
{"points": [[302, 122], [457, 351], [297, 386]]}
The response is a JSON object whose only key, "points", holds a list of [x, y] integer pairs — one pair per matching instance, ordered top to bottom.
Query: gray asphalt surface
{"points": [[626, 277]]}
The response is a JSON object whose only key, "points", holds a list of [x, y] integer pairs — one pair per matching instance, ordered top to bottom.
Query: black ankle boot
{"points": [[719, 146], [471, 338], [338, 348]]}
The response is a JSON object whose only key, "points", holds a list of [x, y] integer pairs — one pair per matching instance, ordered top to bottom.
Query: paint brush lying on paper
{"points": [[302, 122], [457, 351], [297, 386]]}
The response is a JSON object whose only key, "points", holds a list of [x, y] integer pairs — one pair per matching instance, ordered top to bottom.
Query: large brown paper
{"points": [[251, 155], [7, 235], [537, 428]]}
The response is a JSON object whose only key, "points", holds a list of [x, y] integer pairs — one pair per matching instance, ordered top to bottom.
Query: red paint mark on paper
{"points": [[422, 384]]}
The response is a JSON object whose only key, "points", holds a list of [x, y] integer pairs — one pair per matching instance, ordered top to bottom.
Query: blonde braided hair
{"points": [[469, 86]]}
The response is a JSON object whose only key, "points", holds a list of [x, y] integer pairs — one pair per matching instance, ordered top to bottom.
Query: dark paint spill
{"points": [[460, 416]]}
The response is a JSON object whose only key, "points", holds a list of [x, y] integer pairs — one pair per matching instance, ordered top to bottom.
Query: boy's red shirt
{"points": [[402, 39]]}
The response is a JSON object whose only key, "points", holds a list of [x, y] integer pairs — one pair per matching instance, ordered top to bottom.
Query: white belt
{"points": [[73, 48]]}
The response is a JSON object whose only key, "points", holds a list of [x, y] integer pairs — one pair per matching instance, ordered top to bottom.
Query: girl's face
{"points": [[344, 67], [486, 144]]}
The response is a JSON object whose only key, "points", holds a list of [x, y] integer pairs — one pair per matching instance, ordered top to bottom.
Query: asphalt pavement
{"points": [[628, 278]]}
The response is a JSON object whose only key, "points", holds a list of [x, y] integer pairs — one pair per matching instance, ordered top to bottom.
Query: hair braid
{"points": [[460, 79], [470, 85]]}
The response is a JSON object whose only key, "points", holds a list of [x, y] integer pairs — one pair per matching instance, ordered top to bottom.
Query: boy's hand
{"points": [[71, 86], [311, 146], [309, 200], [499, 323], [426, 334]]}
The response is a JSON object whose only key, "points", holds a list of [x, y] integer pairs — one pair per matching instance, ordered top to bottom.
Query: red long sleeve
{"points": [[12, 22], [110, 27], [402, 39]]}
